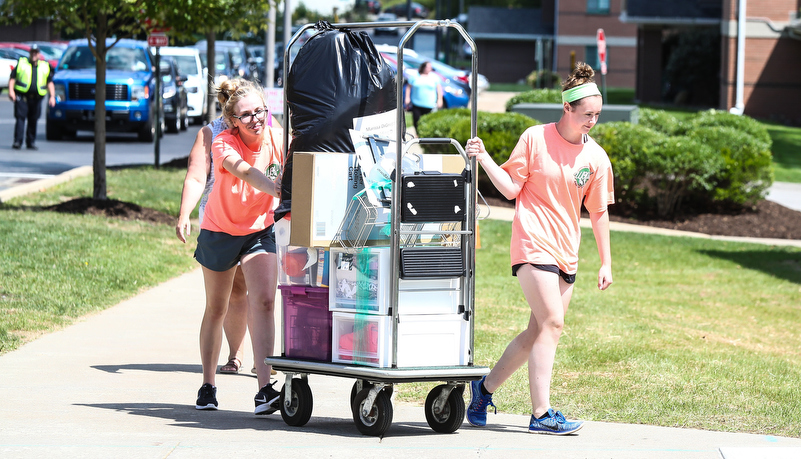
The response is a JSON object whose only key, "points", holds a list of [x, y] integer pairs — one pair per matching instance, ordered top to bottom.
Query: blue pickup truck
{"points": [[130, 91]]}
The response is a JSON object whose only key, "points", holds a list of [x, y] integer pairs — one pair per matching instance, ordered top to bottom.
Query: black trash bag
{"points": [[338, 75]]}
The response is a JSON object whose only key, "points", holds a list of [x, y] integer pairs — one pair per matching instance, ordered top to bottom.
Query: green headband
{"points": [[580, 92]]}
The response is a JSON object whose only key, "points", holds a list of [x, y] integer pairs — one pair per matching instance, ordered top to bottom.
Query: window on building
{"points": [[597, 6], [591, 56]]}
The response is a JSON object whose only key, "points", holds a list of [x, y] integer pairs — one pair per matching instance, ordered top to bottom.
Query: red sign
{"points": [[157, 39], [601, 41]]}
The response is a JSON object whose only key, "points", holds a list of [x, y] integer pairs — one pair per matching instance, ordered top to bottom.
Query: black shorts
{"points": [[220, 251], [569, 278]]}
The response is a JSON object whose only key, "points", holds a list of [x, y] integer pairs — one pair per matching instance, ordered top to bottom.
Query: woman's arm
{"points": [[439, 95], [196, 172], [252, 176], [508, 187], [600, 228]]}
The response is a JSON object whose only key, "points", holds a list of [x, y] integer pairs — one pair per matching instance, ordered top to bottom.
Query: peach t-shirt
{"points": [[557, 177], [234, 206]]}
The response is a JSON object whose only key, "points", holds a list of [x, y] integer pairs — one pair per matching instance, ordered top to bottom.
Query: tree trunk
{"points": [[211, 64], [99, 157]]}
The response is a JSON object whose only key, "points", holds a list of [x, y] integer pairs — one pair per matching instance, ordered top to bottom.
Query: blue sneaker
{"points": [[479, 403], [554, 423]]}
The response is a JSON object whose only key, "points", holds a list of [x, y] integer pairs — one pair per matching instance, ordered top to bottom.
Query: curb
{"points": [[40, 185]]}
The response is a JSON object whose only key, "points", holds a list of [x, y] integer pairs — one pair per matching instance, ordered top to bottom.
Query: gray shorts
{"points": [[221, 251]]}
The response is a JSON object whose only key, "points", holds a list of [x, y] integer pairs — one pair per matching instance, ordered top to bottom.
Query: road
{"points": [[52, 158]]}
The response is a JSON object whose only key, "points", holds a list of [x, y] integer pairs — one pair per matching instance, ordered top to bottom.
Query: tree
{"points": [[210, 17], [102, 19], [98, 20]]}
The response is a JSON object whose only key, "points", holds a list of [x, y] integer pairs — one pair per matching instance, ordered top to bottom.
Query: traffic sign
{"points": [[157, 39], [601, 42]]}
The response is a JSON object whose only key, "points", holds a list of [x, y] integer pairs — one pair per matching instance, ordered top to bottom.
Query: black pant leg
{"points": [[34, 111], [20, 114]]}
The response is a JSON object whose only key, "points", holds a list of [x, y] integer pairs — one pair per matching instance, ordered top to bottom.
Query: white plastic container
{"points": [[360, 282], [367, 340]]}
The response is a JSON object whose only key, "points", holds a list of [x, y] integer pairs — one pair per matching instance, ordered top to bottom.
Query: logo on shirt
{"points": [[272, 171], [582, 176]]}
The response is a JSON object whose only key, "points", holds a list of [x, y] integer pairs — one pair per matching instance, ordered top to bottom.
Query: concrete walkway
{"points": [[122, 383]]}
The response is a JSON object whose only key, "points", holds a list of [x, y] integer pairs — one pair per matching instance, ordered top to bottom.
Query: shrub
{"points": [[543, 79], [537, 96], [721, 118], [661, 121], [499, 131], [628, 145], [748, 164], [679, 167]]}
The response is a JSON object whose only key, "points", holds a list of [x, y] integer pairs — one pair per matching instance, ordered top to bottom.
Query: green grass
{"points": [[58, 267], [694, 332]]}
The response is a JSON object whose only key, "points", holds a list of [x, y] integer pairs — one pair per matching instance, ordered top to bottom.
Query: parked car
{"points": [[372, 6], [418, 10], [386, 17], [26, 49], [56, 50], [13, 53], [411, 57], [240, 63], [190, 66], [222, 68], [5, 71], [130, 87], [454, 94], [173, 95]]}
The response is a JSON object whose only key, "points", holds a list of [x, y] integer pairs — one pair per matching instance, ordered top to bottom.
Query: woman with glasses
{"points": [[237, 228]]}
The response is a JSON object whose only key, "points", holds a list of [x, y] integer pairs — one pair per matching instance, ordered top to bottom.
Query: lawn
{"points": [[694, 332]]}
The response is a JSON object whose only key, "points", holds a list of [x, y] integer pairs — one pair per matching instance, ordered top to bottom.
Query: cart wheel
{"points": [[366, 385], [299, 410], [380, 417], [450, 417]]}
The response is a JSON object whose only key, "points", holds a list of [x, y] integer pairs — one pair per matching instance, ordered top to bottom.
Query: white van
{"points": [[188, 59]]}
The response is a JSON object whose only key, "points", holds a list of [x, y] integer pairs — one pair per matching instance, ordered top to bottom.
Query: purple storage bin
{"points": [[307, 322]]}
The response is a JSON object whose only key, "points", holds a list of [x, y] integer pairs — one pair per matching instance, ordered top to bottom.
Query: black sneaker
{"points": [[16, 146], [32, 147], [206, 398], [267, 400]]}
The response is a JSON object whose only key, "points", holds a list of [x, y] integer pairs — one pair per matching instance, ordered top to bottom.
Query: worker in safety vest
{"points": [[29, 82]]}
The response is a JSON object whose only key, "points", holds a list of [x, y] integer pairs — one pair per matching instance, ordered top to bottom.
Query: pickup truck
{"points": [[130, 91]]}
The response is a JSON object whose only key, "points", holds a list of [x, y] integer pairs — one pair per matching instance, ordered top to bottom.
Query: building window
{"points": [[597, 6], [591, 56]]}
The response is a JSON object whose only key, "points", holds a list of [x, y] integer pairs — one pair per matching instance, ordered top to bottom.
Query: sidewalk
{"points": [[122, 384]]}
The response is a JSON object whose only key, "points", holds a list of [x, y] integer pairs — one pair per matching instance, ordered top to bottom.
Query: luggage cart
{"points": [[370, 401]]}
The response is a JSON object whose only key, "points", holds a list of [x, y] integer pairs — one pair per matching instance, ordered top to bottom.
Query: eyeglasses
{"points": [[248, 118]]}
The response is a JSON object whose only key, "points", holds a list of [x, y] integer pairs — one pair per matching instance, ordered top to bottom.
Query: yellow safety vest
{"points": [[25, 72]]}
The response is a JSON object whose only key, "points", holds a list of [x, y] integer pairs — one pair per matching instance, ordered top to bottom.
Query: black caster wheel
{"points": [[364, 384], [299, 409], [378, 417], [448, 417]]}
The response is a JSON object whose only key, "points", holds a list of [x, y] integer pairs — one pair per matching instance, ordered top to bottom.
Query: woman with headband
{"points": [[552, 171]]}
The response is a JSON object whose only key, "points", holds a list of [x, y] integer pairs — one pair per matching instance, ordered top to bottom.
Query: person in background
{"points": [[30, 81], [423, 93], [552, 171], [197, 186], [238, 228]]}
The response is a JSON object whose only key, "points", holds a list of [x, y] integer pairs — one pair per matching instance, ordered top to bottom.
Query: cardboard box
{"points": [[324, 185]]}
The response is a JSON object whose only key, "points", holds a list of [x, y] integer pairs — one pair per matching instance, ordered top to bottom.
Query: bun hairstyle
{"points": [[582, 74], [230, 92]]}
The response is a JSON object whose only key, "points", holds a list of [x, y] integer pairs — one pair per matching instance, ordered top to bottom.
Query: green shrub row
{"points": [[713, 159]]}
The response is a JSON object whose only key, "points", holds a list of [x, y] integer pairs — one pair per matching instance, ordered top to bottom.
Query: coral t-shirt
{"points": [[557, 177], [235, 207]]}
